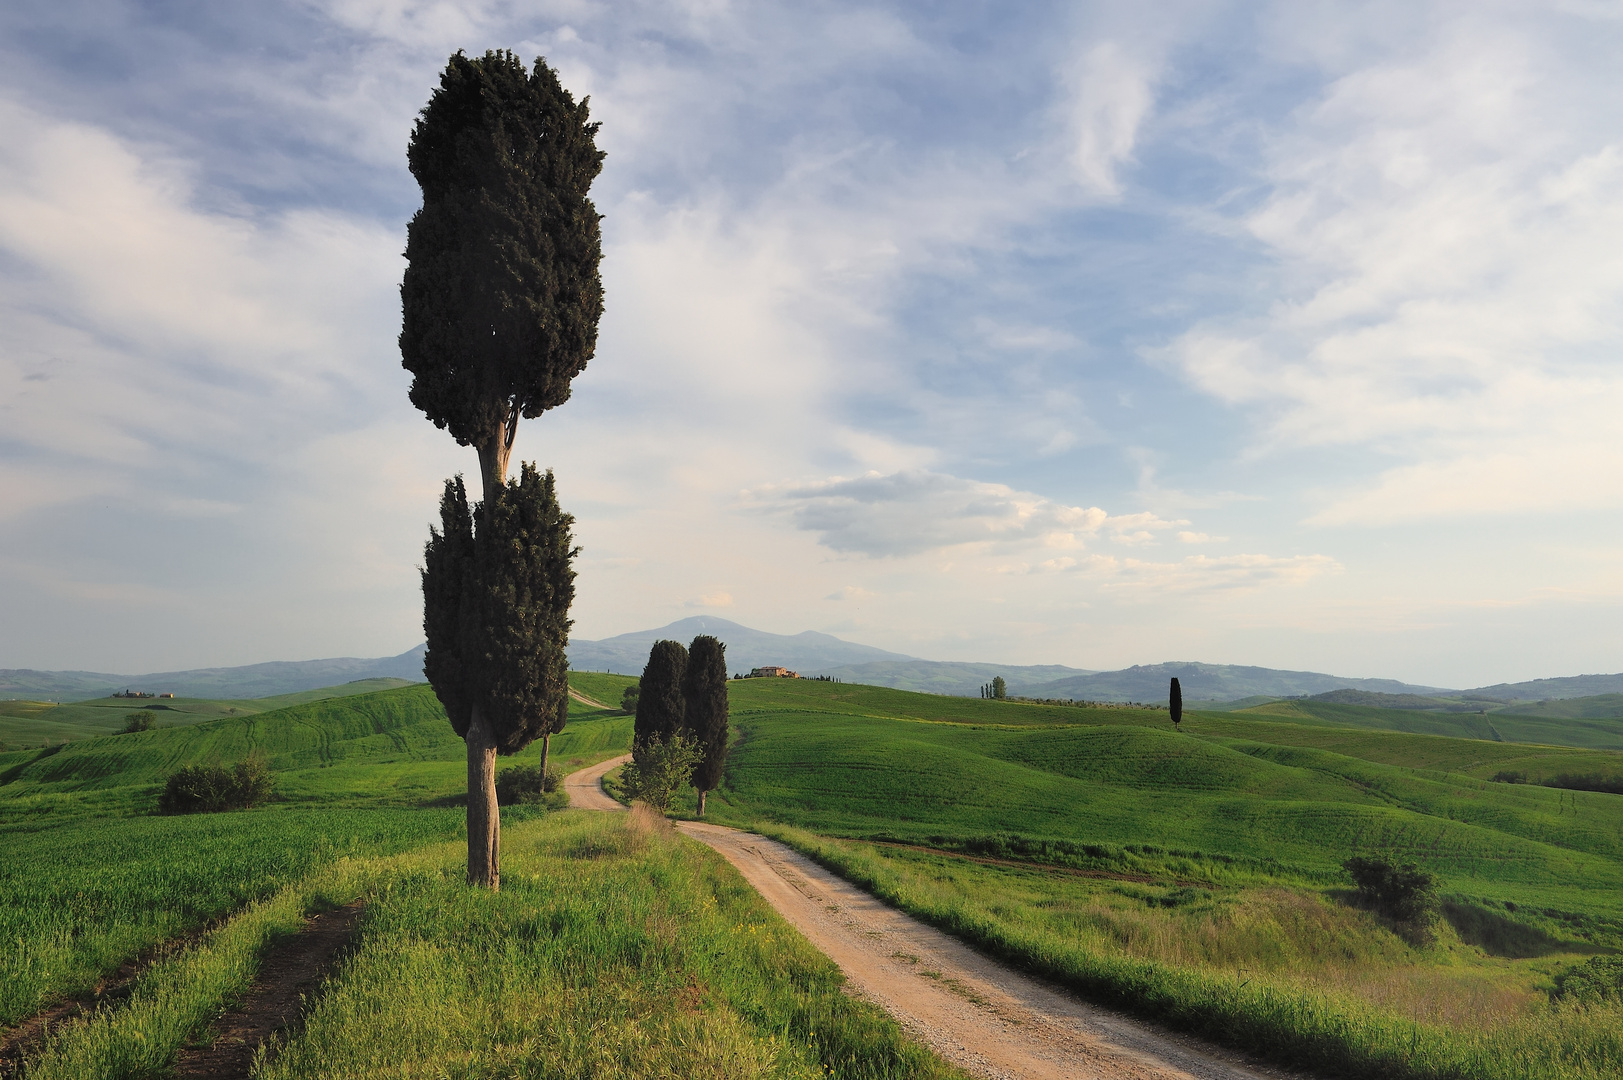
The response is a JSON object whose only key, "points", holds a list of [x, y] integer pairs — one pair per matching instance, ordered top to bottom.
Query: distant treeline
{"points": [[1076, 703], [1611, 785]]}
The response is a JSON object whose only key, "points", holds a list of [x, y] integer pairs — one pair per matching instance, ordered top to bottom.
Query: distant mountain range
{"points": [[746, 648], [812, 653]]}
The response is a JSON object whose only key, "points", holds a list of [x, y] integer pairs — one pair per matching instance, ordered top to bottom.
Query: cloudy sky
{"points": [[1087, 334]]}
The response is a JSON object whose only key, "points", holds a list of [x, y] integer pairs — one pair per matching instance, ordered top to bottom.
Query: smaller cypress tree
{"points": [[704, 693], [1175, 702], [661, 712]]}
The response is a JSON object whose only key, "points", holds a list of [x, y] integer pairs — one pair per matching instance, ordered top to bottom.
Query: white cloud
{"points": [[1113, 96], [1449, 223], [916, 511], [849, 592], [711, 600]]}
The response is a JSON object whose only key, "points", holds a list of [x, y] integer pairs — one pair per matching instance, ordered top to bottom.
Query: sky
{"points": [[1091, 334]]}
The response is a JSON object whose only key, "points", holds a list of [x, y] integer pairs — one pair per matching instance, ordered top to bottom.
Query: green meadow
{"points": [[42, 723], [1191, 876], [1195, 876]]}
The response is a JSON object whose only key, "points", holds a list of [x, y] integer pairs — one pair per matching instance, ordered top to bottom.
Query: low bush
{"points": [[628, 698], [136, 721], [659, 769], [1510, 776], [526, 784], [201, 789], [1404, 894], [1596, 980]]}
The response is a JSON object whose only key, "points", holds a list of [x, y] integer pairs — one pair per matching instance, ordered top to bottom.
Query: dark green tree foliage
{"points": [[502, 295], [497, 585], [704, 696], [1175, 702], [661, 710], [136, 721], [201, 789], [1406, 894]]}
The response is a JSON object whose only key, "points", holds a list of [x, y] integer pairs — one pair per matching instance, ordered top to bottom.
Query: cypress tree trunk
{"points": [[546, 744], [702, 794], [484, 822]]}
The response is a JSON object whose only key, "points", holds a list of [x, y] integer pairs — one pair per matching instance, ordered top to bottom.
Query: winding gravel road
{"points": [[987, 1019]]}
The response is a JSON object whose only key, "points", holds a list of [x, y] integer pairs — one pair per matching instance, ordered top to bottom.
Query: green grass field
{"points": [[42, 723], [1551, 723], [1216, 853], [1192, 876]]}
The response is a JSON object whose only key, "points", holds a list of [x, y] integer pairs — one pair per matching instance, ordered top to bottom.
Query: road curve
{"points": [[585, 786], [986, 1019]]}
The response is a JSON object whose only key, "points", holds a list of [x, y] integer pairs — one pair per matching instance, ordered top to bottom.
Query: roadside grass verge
{"points": [[615, 949], [1275, 972]]}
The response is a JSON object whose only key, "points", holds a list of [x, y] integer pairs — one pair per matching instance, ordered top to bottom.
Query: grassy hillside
{"points": [[42, 723], [1548, 729], [392, 748], [863, 761], [1195, 876]]}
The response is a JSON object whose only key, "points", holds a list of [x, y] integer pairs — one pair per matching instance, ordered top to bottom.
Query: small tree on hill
{"points": [[500, 304], [1000, 689], [704, 696], [628, 698], [1175, 702], [661, 710], [559, 720], [136, 721], [659, 769], [1405, 894]]}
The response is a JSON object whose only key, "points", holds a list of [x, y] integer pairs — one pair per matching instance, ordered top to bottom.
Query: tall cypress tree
{"points": [[500, 304], [497, 586], [704, 694], [1175, 702], [661, 711]]}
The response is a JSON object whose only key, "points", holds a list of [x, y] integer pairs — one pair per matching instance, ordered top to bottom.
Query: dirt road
{"points": [[585, 786], [976, 1013]]}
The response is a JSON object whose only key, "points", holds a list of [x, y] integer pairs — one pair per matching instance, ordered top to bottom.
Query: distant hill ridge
{"points": [[813, 653]]}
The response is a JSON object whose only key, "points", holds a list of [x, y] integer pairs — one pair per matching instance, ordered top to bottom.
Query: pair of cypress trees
{"points": [[684, 693]]}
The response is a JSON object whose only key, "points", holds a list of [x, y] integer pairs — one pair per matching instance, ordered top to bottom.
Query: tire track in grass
{"points": [[289, 976]]}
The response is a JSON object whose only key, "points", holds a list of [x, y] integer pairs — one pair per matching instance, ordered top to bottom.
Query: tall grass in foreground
{"points": [[78, 900], [615, 949], [1267, 1009]]}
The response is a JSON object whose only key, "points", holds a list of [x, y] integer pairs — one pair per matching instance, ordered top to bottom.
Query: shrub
{"points": [[628, 699], [136, 721], [659, 769], [1510, 776], [526, 784], [1612, 785], [201, 789], [1404, 894], [1593, 982]]}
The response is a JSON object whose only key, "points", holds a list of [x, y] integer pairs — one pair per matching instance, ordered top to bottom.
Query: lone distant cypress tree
{"points": [[704, 693], [1175, 702], [661, 711]]}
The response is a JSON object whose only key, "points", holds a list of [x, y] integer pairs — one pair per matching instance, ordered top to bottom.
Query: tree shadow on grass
{"points": [[1499, 935]]}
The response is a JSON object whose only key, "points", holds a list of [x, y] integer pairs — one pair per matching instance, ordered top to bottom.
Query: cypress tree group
{"points": [[500, 302], [497, 585], [704, 694], [1175, 702], [661, 710]]}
